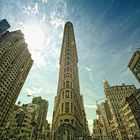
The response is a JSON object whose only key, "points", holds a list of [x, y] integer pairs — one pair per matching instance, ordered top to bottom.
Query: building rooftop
{"points": [[4, 26], [133, 57]]}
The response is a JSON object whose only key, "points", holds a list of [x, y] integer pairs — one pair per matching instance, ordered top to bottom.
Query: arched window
{"points": [[67, 84], [67, 93], [62, 107], [67, 107]]}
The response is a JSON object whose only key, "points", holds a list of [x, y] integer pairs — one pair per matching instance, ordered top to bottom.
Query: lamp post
{"points": [[100, 100]]}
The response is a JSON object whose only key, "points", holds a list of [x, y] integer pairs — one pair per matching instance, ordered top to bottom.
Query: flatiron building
{"points": [[69, 118]]}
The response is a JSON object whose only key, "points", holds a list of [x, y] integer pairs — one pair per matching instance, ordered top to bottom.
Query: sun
{"points": [[34, 36]]}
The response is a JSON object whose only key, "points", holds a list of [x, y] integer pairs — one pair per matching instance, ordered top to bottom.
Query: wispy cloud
{"points": [[44, 1], [31, 9], [58, 14], [43, 18], [56, 20], [35, 38], [105, 38], [54, 52], [39, 59], [88, 69], [124, 73], [33, 91], [90, 106]]}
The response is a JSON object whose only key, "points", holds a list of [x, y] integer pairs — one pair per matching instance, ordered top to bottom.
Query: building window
{"points": [[68, 49], [68, 63], [68, 69], [135, 69], [67, 75], [67, 84], [71, 84], [67, 93], [63, 95], [71, 95], [62, 107], [67, 107], [71, 107], [66, 120], [72, 122]]}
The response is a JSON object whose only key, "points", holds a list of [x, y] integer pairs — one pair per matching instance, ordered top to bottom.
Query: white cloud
{"points": [[44, 1], [31, 9], [57, 16], [43, 17], [57, 22], [34, 35], [35, 38], [52, 49], [55, 52], [39, 59], [57, 66], [88, 69], [124, 73], [33, 90], [89, 106]]}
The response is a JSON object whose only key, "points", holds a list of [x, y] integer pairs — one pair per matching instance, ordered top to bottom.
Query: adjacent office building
{"points": [[4, 26], [15, 64], [134, 64], [114, 95], [103, 111], [130, 114], [41, 118], [69, 119], [29, 121], [19, 124], [96, 129], [46, 133]]}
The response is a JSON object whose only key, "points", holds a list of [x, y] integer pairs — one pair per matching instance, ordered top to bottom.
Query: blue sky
{"points": [[107, 33]]}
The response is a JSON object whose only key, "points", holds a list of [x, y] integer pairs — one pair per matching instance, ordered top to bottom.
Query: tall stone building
{"points": [[4, 26], [15, 64], [134, 64], [114, 95], [103, 111], [130, 114], [41, 117], [69, 119], [28, 121], [19, 124], [46, 133], [97, 134]]}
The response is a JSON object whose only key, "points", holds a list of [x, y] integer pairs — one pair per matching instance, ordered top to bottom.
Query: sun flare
{"points": [[34, 36]]}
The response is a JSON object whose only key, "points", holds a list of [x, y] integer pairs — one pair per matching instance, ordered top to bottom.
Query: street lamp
{"points": [[100, 100]]}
